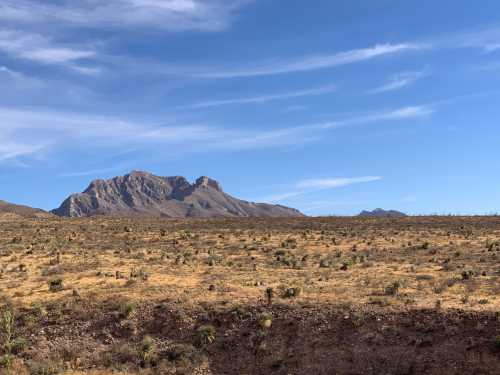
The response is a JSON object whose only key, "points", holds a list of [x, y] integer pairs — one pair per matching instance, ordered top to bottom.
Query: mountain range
{"points": [[144, 194], [7, 208], [379, 212]]}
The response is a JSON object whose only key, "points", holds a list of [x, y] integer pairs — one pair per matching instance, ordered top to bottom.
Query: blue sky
{"points": [[327, 106]]}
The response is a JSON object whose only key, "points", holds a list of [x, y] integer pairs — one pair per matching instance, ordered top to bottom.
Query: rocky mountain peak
{"points": [[206, 182], [142, 193]]}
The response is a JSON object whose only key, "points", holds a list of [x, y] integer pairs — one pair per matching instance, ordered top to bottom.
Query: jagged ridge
{"points": [[142, 193]]}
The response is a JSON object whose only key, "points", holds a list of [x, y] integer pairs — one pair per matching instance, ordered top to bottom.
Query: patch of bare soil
{"points": [[163, 338]]}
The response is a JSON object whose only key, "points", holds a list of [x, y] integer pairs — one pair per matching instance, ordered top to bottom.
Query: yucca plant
{"points": [[7, 336]]}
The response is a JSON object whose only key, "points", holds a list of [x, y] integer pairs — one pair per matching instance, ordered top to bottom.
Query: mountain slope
{"points": [[142, 193], [7, 208], [379, 212]]}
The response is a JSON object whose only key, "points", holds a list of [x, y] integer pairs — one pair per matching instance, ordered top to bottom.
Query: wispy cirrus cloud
{"points": [[171, 15], [487, 39], [40, 49], [312, 62], [15, 79], [399, 81], [265, 98], [410, 112], [27, 131], [10, 150], [328, 183], [317, 184]]}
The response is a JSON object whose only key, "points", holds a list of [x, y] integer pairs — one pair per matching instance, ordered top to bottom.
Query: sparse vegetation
{"points": [[174, 296]]}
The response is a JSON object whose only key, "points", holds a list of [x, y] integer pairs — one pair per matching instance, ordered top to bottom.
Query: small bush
{"points": [[56, 285], [393, 289], [291, 292], [127, 309], [266, 320], [205, 335], [496, 342], [19, 345], [147, 351], [45, 367]]}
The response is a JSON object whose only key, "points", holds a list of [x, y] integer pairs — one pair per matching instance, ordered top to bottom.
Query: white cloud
{"points": [[173, 15], [40, 49], [315, 62], [399, 81], [265, 98], [403, 113], [25, 131], [12, 150], [327, 183], [314, 185]]}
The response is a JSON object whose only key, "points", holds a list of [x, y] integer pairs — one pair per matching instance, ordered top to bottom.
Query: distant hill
{"points": [[142, 193], [7, 208], [379, 212]]}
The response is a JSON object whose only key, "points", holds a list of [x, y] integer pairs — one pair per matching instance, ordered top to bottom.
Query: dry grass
{"points": [[345, 261], [436, 263]]}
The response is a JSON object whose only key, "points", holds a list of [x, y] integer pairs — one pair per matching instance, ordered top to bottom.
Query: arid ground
{"points": [[416, 295]]}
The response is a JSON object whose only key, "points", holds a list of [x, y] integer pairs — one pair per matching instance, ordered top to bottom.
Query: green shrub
{"points": [[128, 309], [266, 320], [7, 326], [205, 335], [19, 345], [147, 351]]}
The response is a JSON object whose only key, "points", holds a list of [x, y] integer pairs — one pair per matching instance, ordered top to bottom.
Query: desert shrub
{"points": [[17, 240], [290, 243], [324, 263], [348, 264], [140, 273], [467, 275], [56, 285], [441, 287], [393, 288], [291, 292], [127, 309], [238, 312], [358, 318], [265, 320], [7, 327], [205, 335], [496, 342], [19, 345], [147, 351], [121, 353], [184, 357], [45, 367]]}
